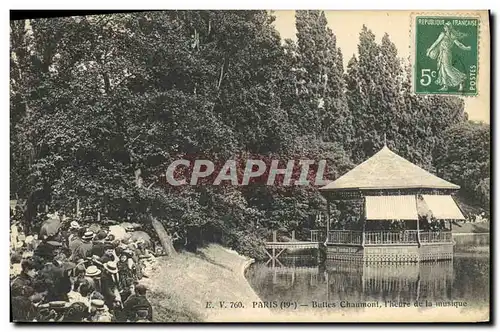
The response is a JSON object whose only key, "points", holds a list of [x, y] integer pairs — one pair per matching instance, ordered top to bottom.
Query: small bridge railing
{"points": [[316, 236], [285, 237]]}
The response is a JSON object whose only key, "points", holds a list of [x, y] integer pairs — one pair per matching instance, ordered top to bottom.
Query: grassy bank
{"points": [[467, 227], [472, 242], [473, 250], [181, 286]]}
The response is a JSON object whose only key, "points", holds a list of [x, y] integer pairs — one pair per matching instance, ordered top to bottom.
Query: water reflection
{"points": [[301, 279]]}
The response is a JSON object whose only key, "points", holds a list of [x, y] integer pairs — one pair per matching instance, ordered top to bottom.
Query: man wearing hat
{"points": [[74, 225], [129, 228], [72, 232], [75, 240], [99, 246], [85, 248], [47, 249], [109, 253], [15, 264], [125, 270], [92, 271], [78, 274], [27, 275], [93, 275], [57, 281], [110, 282], [136, 302], [58, 308], [22, 309], [77, 312], [101, 312], [142, 316]]}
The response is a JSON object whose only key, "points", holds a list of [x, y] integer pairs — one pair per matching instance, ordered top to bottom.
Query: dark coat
{"points": [[74, 244], [98, 249], [84, 250], [45, 251], [22, 280], [58, 281], [108, 287], [137, 302], [22, 310]]}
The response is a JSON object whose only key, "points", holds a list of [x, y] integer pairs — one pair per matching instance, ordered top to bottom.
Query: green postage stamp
{"points": [[446, 55]]}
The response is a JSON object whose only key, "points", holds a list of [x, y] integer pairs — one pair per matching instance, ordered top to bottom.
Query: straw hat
{"points": [[74, 225], [88, 235], [55, 243], [80, 261], [111, 267], [80, 268], [92, 271], [37, 298], [57, 304], [99, 304], [104, 318]]}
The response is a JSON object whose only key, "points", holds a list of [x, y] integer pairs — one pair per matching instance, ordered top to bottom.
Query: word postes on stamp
{"points": [[446, 55]]}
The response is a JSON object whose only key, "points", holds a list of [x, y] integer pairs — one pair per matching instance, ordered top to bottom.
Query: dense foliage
{"points": [[101, 105], [464, 158]]}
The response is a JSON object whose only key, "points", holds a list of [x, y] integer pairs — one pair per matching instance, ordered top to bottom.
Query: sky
{"points": [[346, 25]]}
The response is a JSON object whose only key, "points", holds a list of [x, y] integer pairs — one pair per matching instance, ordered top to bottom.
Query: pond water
{"points": [[342, 285]]}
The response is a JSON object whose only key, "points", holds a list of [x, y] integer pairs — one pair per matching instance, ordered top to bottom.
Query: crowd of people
{"points": [[77, 273]]}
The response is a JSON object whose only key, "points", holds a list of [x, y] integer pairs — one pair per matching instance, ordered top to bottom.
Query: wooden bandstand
{"points": [[390, 190]]}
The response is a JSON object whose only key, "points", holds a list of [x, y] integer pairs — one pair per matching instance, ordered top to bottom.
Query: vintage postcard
{"points": [[250, 166]]}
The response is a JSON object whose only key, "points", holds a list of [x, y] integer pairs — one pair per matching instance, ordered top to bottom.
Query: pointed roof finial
{"points": [[385, 140]]}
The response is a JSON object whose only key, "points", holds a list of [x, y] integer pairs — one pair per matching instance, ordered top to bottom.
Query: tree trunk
{"points": [[165, 238]]}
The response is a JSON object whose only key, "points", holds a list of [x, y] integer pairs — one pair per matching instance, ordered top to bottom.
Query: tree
{"points": [[317, 73], [374, 94], [381, 98], [108, 122], [464, 158]]}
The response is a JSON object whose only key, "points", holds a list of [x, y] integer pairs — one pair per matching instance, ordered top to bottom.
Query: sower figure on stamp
{"points": [[440, 50]]}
